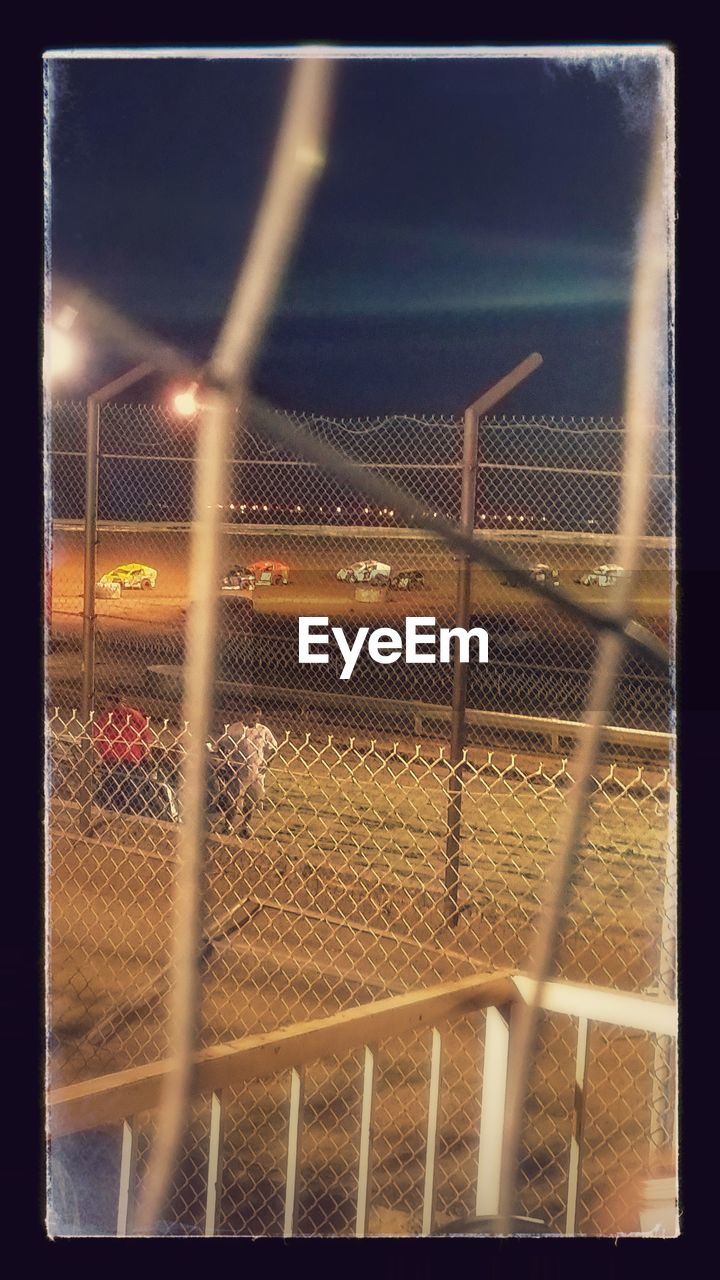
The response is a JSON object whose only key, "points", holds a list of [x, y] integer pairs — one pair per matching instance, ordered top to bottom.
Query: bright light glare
{"points": [[62, 355], [185, 402]]}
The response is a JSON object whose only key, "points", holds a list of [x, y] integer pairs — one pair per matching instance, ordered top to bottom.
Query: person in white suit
{"points": [[249, 748]]}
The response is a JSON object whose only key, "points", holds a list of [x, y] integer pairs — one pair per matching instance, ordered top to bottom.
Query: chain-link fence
{"points": [[547, 495], [364, 857], [336, 897], [617, 1123]]}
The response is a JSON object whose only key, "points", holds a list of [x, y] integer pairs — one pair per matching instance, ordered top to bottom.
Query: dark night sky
{"points": [[471, 211]]}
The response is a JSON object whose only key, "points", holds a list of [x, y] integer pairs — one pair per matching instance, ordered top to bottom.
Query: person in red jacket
{"points": [[121, 733], [122, 738]]}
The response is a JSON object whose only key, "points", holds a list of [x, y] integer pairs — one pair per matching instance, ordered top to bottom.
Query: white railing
{"points": [[119, 1098]]}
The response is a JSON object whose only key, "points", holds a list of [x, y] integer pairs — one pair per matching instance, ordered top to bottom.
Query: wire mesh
{"points": [[547, 494], [342, 871], [328, 886], [335, 899]]}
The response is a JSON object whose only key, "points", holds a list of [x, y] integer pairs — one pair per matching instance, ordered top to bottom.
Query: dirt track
{"points": [[313, 585]]}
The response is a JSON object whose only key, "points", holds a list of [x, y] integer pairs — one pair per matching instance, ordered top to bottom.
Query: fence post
{"points": [[472, 417], [92, 463], [91, 514], [460, 671], [86, 789], [492, 1110], [663, 1116], [433, 1134], [366, 1138], [577, 1138], [215, 1161], [128, 1164], [292, 1182]]}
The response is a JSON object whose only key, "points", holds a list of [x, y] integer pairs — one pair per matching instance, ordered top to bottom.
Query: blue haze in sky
{"points": [[471, 211]]}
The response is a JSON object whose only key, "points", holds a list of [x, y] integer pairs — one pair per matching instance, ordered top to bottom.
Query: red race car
{"points": [[270, 573]]}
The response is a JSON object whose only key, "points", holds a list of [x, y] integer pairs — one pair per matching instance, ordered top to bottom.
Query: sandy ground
{"points": [[344, 880]]}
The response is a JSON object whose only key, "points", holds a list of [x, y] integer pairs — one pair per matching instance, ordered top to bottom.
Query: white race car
{"points": [[366, 571], [604, 576]]}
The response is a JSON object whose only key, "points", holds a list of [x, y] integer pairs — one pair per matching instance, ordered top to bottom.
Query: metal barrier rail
{"points": [[653, 542], [554, 730], [120, 1097]]}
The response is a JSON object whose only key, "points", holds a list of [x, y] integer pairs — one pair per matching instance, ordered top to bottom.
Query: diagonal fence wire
{"points": [[297, 161], [646, 350], [225, 380], [335, 462], [338, 464]]}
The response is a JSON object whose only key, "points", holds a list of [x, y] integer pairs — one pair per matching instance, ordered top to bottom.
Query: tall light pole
{"points": [[94, 403], [473, 413]]}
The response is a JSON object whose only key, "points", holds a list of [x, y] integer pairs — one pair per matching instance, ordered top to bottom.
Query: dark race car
{"points": [[541, 573], [238, 578], [407, 580]]}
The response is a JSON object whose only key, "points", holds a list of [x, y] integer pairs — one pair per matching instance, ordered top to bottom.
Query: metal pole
{"points": [[296, 164], [644, 399], [94, 402], [472, 416], [92, 464], [91, 513], [460, 670], [664, 1100]]}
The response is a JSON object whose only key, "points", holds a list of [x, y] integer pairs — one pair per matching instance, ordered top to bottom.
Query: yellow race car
{"points": [[131, 577]]}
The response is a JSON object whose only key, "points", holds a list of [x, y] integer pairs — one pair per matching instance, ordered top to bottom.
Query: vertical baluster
{"points": [[492, 1112], [433, 1132], [366, 1138], [576, 1141], [216, 1150], [128, 1162], [292, 1183]]}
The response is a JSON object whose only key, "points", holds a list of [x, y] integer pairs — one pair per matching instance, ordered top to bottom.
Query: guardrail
{"points": [[559, 536], [165, 677], [119, 1098]]}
